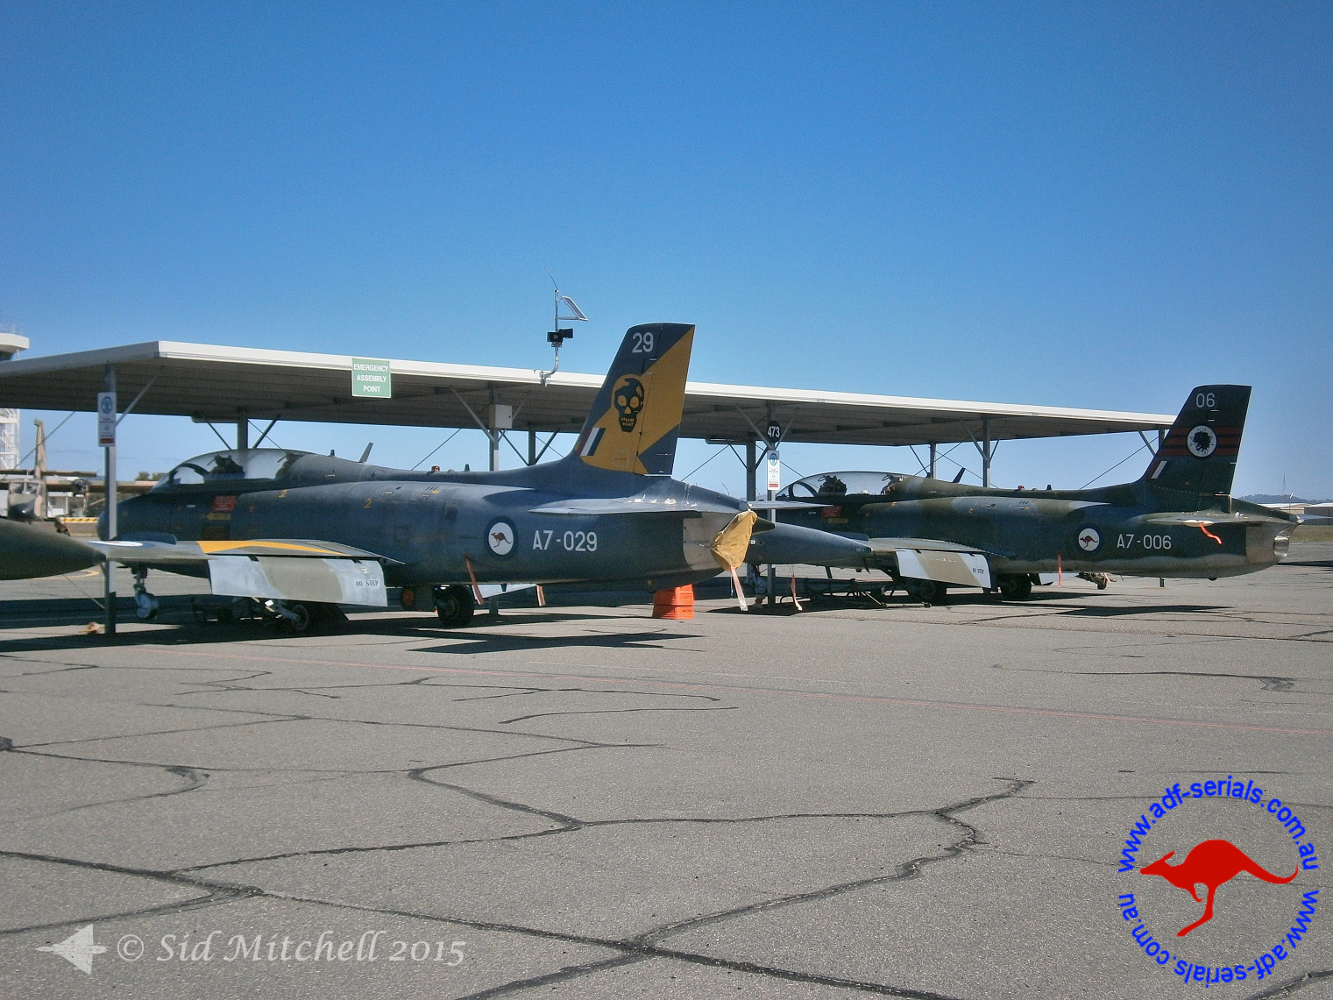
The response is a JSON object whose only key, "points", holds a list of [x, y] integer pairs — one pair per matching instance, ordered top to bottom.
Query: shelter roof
{"points": [[226, 384]]}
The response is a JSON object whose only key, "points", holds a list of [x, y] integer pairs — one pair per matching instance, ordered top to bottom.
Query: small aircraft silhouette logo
{"points": [[1211, 863], [78, 949]]}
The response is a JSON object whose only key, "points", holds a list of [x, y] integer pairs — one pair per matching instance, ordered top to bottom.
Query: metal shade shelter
{"points": [[234, 385]]}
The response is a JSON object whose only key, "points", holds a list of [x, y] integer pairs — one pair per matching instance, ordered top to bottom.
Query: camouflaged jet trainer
{"points": [[1177, 520], [300, 533]]}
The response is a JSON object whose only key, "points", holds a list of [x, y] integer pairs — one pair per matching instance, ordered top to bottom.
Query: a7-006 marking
{"points": [[570, 541], [1154, 543]]}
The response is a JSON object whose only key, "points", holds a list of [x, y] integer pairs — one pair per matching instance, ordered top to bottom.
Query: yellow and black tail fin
{"points": [[635, 419]]}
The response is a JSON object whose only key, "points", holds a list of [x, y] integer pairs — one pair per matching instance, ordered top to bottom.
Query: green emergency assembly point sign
{"points": [[370, 377]]}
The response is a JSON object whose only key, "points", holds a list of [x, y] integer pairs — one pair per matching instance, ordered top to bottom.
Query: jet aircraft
{"points": [[1177, 520], [300, 533]]}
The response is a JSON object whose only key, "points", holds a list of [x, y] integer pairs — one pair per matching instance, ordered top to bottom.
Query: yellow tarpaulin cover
{"points": [[732, 542]]}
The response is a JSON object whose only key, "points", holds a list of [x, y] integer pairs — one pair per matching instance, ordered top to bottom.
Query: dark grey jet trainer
{"points": [[1177, 520], [302, 533]]}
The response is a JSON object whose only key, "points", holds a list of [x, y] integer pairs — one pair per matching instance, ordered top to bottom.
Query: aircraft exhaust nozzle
{"points": [[791, 543]]}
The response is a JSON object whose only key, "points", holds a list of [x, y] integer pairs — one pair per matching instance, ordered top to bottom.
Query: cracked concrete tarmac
{"points": [[914, 802]]}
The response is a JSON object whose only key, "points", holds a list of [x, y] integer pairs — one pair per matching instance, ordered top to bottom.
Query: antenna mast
{"points": [[558, 336]]}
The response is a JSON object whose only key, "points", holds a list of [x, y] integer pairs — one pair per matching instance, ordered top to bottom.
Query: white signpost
{"points": [[106, 419], [106, 439]]}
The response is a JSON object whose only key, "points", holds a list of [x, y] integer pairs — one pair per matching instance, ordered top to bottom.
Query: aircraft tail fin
{"points": [[635, 420], [1198, 455]]}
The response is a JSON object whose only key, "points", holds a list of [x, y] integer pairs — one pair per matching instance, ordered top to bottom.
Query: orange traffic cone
{"points": [[677, 602]]}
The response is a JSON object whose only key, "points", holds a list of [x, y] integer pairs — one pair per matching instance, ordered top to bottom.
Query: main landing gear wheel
{"points": [[1016, 588], [928, 591], [454, 605], [299, 620]]}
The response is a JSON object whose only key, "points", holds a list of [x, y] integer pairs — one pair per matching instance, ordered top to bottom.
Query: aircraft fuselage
{"points": [[432, 526], [1122, 530]]}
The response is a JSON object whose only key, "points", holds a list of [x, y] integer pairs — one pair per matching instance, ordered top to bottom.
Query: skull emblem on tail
{"points": [[628, 401]]}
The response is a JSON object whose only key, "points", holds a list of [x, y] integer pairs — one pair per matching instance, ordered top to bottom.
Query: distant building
{"points": [[10, 344]]}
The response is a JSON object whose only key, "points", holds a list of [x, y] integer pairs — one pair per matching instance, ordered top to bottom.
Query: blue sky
{"points": [[1067, 204]]}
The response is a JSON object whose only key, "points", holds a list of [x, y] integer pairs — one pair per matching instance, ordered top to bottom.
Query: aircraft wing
{"points": [[166, 554], [935, 559], [290, 569]]}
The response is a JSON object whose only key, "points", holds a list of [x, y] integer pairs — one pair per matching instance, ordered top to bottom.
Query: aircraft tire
{"points": [[1016, 588], [931, 592], [454, 605], [302, 620]]}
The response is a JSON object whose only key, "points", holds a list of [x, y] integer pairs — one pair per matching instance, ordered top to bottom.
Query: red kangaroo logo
{"points": [[500, 537], [1211, 863]]}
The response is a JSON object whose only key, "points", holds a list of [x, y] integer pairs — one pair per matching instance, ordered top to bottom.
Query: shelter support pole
{"points": [[242, 432], [493, 434], [1161, 439], [532, 446], [772, 450], [985, 451], [934, 457], [751, 467], [109, 492]]}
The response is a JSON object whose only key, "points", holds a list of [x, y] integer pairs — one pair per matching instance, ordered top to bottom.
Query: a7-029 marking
{"points": [[570, 541], [1153, 543]]}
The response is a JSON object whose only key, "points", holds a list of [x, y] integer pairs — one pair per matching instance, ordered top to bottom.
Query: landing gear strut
{"points": [[1016, 588], [145, 603], [298, 616]]}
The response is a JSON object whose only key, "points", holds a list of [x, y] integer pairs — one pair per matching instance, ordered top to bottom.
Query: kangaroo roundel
{"points": [[1202, 441], [500, 538], [1089, 539]]}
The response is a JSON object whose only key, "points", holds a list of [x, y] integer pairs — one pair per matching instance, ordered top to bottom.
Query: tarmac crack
{"points": [[1267, 682], [618, 711], [29, 747], [193, 779], [907, 870], [217, 894], [634, 949], [1292, 985]]}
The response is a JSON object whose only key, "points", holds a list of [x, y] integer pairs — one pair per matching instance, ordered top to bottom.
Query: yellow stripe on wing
{"points": [[212, 547]]}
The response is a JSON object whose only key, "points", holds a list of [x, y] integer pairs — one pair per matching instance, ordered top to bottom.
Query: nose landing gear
{"points": [[145, 604]]}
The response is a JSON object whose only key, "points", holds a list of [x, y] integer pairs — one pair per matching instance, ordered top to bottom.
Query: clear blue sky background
{"points": [[1071, 204]]}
